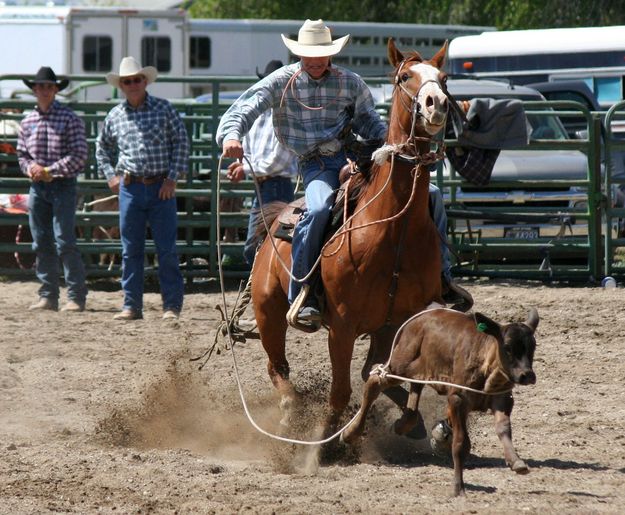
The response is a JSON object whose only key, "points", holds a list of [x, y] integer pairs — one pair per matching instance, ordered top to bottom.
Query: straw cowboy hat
{"points": [[314, 40], [130, 67], [271, 67], [46, 75]]}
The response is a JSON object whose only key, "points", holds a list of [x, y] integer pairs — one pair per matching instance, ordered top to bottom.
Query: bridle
{"points": [[409, 149]]}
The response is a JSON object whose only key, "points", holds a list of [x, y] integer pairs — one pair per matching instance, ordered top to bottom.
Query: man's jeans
{"points": [[321, 179], [271, 190], [138, 205], [439, 215], [52, 218]]}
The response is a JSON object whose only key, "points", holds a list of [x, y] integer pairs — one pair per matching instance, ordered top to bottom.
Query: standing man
{"points": [[315, 104], [52, 151], [142, 151], [273, 166]]}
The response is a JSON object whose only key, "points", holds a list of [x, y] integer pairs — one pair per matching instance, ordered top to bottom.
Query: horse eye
{"points": [[404, 77]]}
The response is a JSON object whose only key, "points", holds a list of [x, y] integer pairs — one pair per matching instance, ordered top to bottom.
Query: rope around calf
{"points": [[382, 370]]}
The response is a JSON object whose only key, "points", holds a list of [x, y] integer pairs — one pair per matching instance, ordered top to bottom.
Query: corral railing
{"points": [[614, 186], [571, 252], [579, 257]]}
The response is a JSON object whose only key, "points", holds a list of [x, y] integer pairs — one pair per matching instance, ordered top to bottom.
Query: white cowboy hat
{"points": [[314, 40], [129, 67]]}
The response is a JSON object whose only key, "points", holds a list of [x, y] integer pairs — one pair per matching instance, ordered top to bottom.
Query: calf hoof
{"points": [[411, 425], [418, 432], [441, 437], [520, 467]]}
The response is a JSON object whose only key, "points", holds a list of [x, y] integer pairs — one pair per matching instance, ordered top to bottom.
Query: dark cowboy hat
{"points": [[271, 67], [46, 75]]}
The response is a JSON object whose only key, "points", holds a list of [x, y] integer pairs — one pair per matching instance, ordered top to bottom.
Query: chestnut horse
{"points": [[384, 265]]}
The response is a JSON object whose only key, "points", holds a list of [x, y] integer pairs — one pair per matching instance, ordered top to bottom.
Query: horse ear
{"points": [[394, 56], [439, 58]]}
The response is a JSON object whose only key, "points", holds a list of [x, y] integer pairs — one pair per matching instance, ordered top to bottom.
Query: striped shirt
{"points": [[340, 97], [55, 139], [148, 141], [267, 155]]}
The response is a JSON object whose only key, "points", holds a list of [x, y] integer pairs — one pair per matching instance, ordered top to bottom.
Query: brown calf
{"points": [[465, 349]]}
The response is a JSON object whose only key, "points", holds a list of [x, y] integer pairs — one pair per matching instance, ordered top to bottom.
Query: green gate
{"points": [[568, 258]]}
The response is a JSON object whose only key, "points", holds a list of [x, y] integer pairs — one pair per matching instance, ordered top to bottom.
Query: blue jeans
{"points": [[321, 179], [271, 190], [138, 205], [439, 215], [52, 219]]}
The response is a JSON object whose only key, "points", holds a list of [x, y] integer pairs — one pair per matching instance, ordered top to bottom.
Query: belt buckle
{"points": [[329, 148]]}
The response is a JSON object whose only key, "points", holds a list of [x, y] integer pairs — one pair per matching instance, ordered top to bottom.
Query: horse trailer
{"points": [[91, 41]]}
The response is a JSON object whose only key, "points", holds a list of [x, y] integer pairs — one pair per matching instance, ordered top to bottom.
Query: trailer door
{"points": [[160, 42], [97, 48]]}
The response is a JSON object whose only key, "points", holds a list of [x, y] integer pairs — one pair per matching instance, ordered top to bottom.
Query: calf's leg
{"points": [[372, 389], [502, 408], [457, 412], [411, 416]]}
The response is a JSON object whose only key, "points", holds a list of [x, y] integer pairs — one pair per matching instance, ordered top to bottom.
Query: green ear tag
{"points": [[481, 327]]}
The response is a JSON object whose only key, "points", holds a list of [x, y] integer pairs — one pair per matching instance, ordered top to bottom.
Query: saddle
{"points": [[359, 168]]}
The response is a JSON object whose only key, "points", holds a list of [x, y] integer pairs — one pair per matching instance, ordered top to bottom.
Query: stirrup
{"points": [[291, 316]]}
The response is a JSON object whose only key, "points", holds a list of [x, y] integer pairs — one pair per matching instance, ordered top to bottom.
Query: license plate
{"points": [[521, 233]]}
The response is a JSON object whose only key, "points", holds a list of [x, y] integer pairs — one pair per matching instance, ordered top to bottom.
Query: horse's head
{"points": [[418, 85]]}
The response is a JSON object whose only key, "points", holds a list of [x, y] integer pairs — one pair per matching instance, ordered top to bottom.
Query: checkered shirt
{"points": [[341, 94], [55, 139], [148, 141], [267, 155]]}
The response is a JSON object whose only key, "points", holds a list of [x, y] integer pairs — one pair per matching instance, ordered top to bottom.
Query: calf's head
{"points": [[516, 346]]}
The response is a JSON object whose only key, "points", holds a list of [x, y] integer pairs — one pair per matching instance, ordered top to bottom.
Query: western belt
{"points": [[130, 178]]}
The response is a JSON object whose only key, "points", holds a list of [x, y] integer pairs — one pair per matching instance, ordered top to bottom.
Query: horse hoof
{"points": [[520, 467]]}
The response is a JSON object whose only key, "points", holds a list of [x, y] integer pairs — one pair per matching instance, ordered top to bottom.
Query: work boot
{"points": [[459, 298], [44, 303], [73, 306], [309, 312], [128, 314], [171, 314]]}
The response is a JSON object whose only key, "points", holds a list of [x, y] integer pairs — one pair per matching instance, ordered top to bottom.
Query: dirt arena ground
{"points": [[97, 416]]}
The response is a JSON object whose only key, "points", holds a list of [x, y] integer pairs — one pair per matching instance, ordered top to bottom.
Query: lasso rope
{"points": [[228, 328], [382, 370]]}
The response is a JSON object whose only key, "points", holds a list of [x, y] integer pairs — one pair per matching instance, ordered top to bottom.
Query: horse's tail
{"points": [[269, 213]]}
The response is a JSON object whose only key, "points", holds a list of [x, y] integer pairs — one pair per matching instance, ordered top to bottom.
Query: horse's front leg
{"points": [[272, 331], [341, 347], [502, 408]]}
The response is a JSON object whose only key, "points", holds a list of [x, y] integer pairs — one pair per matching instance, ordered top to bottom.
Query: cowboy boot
{"points": [[459, 298]]}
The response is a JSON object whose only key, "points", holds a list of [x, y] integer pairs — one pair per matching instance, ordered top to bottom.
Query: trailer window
{"points": [[156, 51], [200, 52], [97, 53]]}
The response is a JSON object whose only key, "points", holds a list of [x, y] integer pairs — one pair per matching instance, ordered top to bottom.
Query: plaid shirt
{"points": [[341, 94], [55, 139], [147, 141], [267, 155]]}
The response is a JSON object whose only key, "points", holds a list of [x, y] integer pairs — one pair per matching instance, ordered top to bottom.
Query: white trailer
{"points": [[91, 41], [237, 47]]}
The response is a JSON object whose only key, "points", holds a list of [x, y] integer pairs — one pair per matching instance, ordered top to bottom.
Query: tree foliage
{"points": [[504, 14]]}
